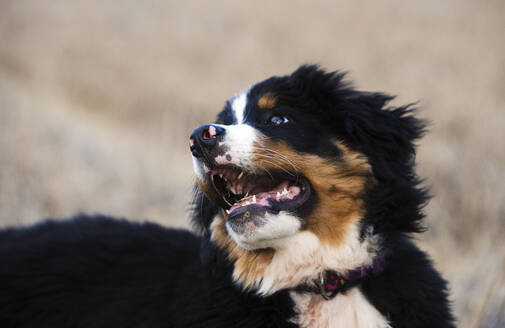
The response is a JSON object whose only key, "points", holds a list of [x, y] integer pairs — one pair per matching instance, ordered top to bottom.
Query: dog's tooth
{"points": [[240, 175], [246, 194], [278, 195], [254, 199], [247, 203], [227, 211]]}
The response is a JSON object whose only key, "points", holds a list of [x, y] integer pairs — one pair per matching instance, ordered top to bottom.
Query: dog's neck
{"points": [[305, 259], [297, 260]]}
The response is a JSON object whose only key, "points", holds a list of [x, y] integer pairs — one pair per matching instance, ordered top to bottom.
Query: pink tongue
{"points": [[280, 194]]}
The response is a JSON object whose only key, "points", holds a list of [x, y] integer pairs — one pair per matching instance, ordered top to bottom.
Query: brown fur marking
{"points": [[267, 101], [348, 176], [206, 190], [249, 265]]}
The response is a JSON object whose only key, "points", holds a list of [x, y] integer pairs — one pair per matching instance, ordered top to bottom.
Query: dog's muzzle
{"points": [[203, 140]]}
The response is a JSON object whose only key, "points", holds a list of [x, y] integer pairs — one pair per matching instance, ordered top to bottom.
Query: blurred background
{"points": [[97, 99]]}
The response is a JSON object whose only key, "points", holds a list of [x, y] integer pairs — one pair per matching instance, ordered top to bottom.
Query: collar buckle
{"points": [[326, 293]]}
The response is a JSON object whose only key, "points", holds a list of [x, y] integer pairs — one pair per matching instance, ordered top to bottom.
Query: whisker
{"points": [[278, 156], [282, 156], [280, 167]]}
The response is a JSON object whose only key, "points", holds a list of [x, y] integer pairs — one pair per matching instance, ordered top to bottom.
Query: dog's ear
{"points": [[386, 135], [203, 211]]}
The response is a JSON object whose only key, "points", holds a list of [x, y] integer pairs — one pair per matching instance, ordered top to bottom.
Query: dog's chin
{"points": [[256, 228]]}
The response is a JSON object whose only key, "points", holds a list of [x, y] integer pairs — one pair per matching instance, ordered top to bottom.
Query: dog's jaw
{"points": [[271, 233]]}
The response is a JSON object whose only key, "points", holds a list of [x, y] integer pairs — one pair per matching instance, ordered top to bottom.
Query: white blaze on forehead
{"points": [[238, 105]]}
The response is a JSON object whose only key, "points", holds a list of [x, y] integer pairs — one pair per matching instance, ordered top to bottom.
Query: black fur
{"points": [[100, 272], [410, 293]]}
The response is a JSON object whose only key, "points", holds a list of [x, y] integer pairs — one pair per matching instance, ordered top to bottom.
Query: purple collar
{"points": [[330, 284]]}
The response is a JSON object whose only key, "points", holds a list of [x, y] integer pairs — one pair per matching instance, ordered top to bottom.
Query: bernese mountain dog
{"points": [[305, 204]]}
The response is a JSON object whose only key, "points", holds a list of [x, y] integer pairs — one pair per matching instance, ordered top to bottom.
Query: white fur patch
{"points": [[238, 105], [239, 141], [198, 167], [268, 233], [301, 258], [350, 310]]}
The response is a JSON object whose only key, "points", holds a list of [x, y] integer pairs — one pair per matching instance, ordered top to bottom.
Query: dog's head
{"points": [[303, 170]]}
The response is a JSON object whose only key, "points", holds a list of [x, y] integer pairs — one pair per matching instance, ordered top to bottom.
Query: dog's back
{"points": [[93, 271], [101, 272]]}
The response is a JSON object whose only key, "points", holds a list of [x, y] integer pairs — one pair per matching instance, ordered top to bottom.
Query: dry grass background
{"points": [[97, 99]]}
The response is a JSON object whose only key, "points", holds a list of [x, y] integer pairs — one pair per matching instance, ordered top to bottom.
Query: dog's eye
{"points": [[278, 120]]}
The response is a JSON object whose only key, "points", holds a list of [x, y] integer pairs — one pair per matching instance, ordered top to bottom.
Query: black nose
{"points": [[204, 138]]}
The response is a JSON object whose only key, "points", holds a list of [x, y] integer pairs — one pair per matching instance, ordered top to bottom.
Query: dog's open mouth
{"points": [[272, 192]]}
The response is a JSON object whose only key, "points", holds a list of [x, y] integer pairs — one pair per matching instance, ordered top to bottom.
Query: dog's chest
{"points": [[351, 310]]}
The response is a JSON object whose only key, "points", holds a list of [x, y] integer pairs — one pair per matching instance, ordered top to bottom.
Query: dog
{"points": [[305, 202]]}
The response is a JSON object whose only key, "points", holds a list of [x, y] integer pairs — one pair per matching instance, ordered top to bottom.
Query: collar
{"points": [[331, 283]]}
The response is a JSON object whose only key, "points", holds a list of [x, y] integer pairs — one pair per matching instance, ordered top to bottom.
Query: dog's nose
{"points": [[206, 137]]}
